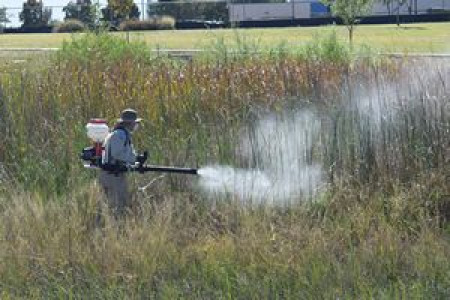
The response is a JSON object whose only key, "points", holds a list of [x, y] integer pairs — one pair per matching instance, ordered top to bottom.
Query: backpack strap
{"points": [[127, 135], [127, 142]]}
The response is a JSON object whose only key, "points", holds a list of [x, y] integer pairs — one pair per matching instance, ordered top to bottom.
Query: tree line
{"points": [[35, 14]]}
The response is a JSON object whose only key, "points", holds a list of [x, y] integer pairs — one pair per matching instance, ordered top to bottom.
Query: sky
{"points": [[15, 7]]}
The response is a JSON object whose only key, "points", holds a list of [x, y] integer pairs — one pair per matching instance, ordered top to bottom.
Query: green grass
{"points": [[420, 37]]}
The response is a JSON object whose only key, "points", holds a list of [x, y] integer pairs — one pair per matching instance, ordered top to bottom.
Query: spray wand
{"points": [[97, 131]]}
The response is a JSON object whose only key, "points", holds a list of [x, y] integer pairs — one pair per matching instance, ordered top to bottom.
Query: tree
{"points": [[398, 4], [82, 10], [119, 10], [349, 11], [34, 14], [3, 18]]}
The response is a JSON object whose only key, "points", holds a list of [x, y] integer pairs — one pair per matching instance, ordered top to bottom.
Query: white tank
{"points": [[97, 130]]}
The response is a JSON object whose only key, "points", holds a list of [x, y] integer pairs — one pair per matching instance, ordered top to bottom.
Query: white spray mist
{"points": [[281, 151]]}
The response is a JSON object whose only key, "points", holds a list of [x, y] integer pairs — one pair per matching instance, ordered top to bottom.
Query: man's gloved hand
{"points": [[141, 158]]}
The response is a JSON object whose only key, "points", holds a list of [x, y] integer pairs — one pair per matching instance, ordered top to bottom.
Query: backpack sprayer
{"points": [[97, 131]]}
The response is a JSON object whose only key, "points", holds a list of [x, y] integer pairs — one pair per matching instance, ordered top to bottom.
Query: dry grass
{"points": [[366, 246]]}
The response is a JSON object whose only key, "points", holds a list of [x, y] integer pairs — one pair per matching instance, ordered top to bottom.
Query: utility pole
{"points": [[143, 9]]}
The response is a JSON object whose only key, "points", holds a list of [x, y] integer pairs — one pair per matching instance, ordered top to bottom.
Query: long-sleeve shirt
{"points": [[119, 149]]}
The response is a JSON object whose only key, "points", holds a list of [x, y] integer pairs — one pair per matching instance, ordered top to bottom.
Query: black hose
{"points": [[148, 168]]}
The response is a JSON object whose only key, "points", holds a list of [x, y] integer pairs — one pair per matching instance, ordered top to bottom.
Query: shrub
{"points": [[154, 23], [70, 25], [102, 48], [327, 48]]}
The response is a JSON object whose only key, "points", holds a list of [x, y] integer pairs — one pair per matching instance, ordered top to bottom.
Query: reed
{"points": [[378, 228]]}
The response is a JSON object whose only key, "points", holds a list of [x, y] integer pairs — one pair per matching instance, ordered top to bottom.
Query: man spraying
{"points": [[119, 153], [114, 156]]}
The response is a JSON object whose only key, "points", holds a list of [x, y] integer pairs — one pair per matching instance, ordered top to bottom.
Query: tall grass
{"points": [[185, 105], [379, 229], [379, 248]]}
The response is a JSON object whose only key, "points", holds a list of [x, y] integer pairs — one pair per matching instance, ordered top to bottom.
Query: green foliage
{"points": [[121, 7], [82, 10], [119, 10], [349, 11], [34, 14], [3, 16], [153, 23], [70, 25], [241, 48], [108, 49], [321, 49], [326, 49]]}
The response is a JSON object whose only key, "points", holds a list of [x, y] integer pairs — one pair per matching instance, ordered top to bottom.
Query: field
{"points": [[420, 37], [323, 173]]}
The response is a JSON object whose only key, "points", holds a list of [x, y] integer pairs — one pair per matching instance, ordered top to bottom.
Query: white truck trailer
{"points": [[304, 9]]}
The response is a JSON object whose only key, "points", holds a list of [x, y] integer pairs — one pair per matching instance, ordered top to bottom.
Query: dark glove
{"points": [[141, 158]]}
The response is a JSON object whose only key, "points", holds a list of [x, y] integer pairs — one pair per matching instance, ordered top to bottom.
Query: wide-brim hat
{"points": [[129, 115]]}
